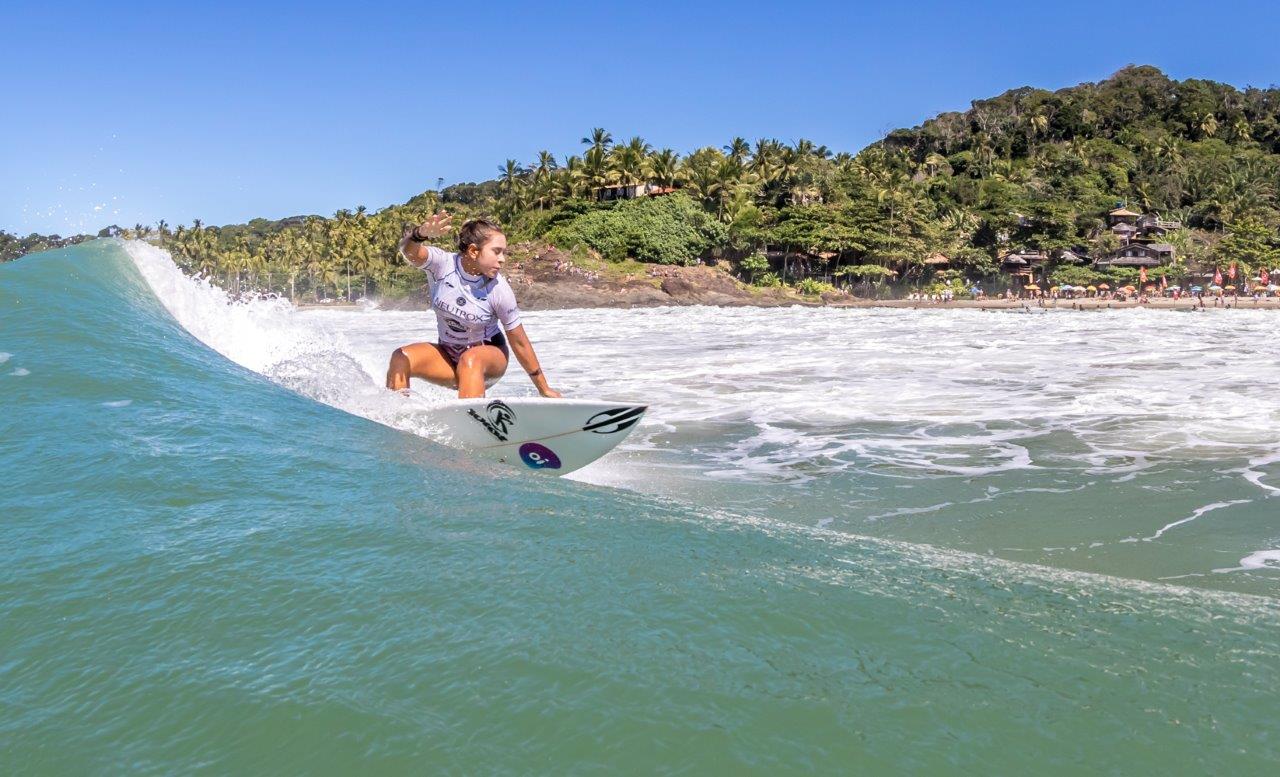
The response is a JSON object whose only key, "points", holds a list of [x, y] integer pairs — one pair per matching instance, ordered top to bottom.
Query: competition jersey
{"points": [[468, 307]]}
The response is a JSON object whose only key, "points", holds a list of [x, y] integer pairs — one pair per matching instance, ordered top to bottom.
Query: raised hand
{"points": [[436, 226]]}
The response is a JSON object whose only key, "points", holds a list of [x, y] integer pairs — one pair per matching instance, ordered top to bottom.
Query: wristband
{"points": [[416, 238], [536, 373]]}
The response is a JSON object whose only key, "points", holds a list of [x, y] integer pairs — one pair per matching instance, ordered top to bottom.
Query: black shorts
{"points": [[454, 352]]}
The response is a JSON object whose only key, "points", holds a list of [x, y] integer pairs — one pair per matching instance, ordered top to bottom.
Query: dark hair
{"points": [[476, 232]]}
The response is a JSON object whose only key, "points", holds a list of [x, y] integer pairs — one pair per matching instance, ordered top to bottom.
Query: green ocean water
{"points": [[204, 571]]}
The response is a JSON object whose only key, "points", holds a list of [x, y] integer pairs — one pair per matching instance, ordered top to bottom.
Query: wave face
{"points": [[811, 555]]}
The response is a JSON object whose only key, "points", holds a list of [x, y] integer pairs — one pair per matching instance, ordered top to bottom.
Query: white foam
{"points": [[312, 355], [5, 356], [20, 372], [798, 394], [118, 403], [1254, 475], [1199, 511], [1262, 559]]}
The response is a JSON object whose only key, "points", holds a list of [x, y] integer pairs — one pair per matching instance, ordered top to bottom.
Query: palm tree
{"points": [[1207, 123], [1037, 125], [1240, 130], [600, 139], [805, 147], [737, 150], [764, 160], [630, 162], [933, 162], [545, 165], [595, 167], [665, 167], [543, 170], [701, 173], [570, 178], [511, 182]]}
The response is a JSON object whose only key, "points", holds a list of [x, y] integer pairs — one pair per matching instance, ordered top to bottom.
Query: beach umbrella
{"points": [[1103, 286], [1031, 287], [1214, 287], [1230, 287], [1273, 287], [1090, 288], [1175, 288], [1197, 288]]}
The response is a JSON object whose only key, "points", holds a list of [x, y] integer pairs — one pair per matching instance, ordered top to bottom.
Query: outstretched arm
{"points": [[413, 246], [523, 349]]}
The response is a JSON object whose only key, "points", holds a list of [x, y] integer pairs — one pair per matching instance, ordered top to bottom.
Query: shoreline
{"points": [[541, 283], [1028, 306]]}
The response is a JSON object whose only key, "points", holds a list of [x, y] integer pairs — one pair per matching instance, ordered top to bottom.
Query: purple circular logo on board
{"points": [[539, 456]]}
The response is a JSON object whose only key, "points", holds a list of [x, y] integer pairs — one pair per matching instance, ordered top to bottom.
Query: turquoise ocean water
{"points": [[971, 543]]}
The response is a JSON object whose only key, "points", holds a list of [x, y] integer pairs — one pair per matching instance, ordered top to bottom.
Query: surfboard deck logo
{"points": [[498, 418], [618, 419], [538, 456]]}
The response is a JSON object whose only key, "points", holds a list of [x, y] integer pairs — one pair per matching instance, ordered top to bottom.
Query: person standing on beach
{"points": [[475, 309]]}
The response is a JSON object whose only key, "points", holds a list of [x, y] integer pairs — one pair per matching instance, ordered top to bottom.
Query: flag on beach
{"points": [[1231, 271], [1142, 274], [1217, 277], [1264, 277], [1164, 281]]}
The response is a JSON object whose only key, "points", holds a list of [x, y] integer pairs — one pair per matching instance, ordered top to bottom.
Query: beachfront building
{"points": [[630, 191], [1122, 216], [1151, 226], [1139, 227], [1125, 231], [1141, 240], [1137, 255], [1023, 265]]}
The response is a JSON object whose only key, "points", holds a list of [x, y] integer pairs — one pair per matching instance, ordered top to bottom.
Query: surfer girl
{"points": [[476, 313]]}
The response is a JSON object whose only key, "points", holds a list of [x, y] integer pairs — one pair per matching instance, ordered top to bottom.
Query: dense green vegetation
{"points": [[1030, 169], [12, 246]]}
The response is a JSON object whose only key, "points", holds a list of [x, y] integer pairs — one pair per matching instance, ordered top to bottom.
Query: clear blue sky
{"points": [[124, 113]]}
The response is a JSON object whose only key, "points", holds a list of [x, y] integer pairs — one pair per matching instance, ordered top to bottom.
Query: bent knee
{"points": [[399, 358], [470, 360]]}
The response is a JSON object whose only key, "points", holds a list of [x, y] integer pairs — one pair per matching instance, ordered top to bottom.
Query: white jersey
{"points": [[468, 307]]}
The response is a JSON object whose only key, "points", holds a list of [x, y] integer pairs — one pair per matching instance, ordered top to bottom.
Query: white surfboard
{"points": [[545, 436]]}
